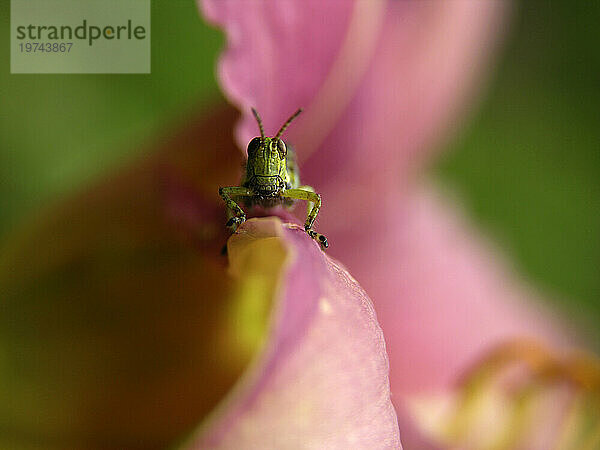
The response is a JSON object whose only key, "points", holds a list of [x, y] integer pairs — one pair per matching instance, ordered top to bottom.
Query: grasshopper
{"points": [[271, 179]]}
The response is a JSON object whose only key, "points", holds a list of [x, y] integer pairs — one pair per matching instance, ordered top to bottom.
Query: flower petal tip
{"points": [[321, 378]]}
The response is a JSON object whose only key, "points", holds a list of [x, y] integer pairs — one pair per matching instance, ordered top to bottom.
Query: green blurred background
{"points": [[526, 164]]}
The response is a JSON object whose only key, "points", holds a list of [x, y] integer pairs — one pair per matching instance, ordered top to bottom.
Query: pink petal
{"points": [[279, 54], [424, 66], [395, 74], [378, 79], [438, 291], [443, 297], [321, 381]]}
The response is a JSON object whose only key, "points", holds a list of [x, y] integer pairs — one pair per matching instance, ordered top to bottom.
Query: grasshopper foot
{"points": [[235, 222], [321, 239]]}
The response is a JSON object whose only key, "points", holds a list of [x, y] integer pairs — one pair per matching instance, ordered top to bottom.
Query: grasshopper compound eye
{"points": [[254, 145], [281, 148]]}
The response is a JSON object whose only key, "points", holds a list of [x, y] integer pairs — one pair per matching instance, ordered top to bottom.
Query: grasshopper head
{"points": [[267, 156], [266, 167]]}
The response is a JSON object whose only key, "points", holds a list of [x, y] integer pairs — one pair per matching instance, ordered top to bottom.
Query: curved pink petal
{"points": [[279, 54], [424, 66], [400, 72], [378, 79], [437, 289], [443, 296], [321, 381]]}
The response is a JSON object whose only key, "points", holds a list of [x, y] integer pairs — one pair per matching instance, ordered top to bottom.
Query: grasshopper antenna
{"points": [[287, 123], [260, 125]]}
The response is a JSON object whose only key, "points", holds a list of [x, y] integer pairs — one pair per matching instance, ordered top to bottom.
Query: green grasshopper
{"points": [[271, 179]]}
